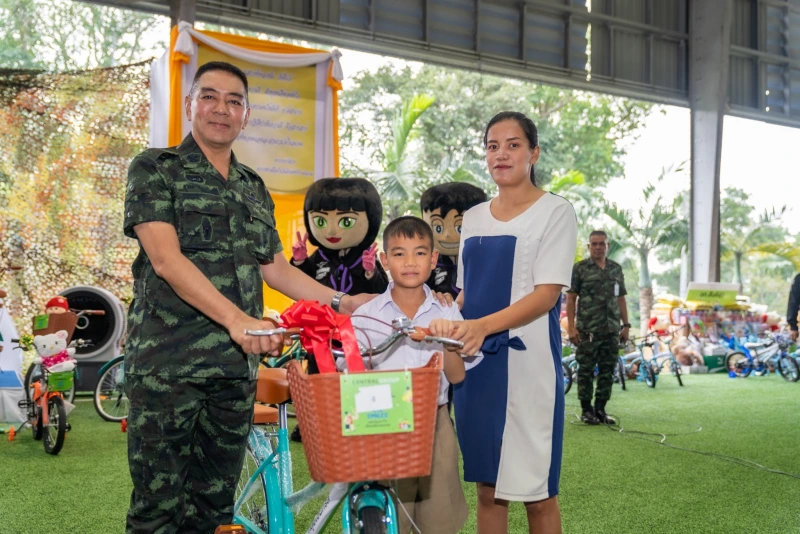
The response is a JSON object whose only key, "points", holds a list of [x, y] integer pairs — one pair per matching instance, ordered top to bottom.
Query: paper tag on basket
{"points": [[40, 322], [376, 403]]}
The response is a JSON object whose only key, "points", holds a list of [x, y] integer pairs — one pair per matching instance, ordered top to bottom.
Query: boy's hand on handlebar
{"points": [[442, 328], [255, 344]]}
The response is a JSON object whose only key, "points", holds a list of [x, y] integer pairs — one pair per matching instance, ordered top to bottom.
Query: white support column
{"points": [[709, 44]]}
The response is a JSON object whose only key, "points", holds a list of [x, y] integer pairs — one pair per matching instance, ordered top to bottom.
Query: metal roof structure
{"points": [[634, 48], [717, 57]]}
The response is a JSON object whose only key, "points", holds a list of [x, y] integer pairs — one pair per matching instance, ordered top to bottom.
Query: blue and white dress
{"points": [[510, 408]]}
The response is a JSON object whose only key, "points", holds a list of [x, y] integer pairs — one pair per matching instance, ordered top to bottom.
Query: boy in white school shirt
{"points": [[434, 503]]}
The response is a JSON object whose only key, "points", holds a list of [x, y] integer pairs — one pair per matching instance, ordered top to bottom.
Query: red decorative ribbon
{"points": [[320, 325]]}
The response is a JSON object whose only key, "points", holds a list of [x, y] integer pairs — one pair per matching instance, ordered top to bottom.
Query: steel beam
{"points": [[182, 10], [709, 58]]}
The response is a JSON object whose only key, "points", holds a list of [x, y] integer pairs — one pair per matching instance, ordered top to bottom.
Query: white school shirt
{"points": [[405, 353]]}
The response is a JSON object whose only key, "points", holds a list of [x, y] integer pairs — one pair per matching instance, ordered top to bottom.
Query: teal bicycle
{"points": [[265, 500]]}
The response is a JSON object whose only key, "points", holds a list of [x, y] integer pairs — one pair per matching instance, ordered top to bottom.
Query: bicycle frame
{"points": [[275, 472]]}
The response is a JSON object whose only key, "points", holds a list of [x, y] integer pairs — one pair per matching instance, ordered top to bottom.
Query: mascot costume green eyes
{"points": [[342, 218]]}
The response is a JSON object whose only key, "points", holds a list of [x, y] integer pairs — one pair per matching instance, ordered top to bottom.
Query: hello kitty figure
{"points": [[53, 352]]}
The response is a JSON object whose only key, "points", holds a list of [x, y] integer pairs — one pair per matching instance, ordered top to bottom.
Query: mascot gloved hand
{"points": [[443, 207], [342, 218]]}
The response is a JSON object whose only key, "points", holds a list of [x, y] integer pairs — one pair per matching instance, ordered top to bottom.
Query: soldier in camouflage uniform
{"points": [[207, 239], [598, 286]]}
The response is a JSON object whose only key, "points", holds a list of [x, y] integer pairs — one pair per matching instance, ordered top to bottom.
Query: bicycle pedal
{"points": [[24, 404], [69, 427]]}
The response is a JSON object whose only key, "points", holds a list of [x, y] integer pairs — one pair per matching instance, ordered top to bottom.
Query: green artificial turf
{"points": [[610, 482]]}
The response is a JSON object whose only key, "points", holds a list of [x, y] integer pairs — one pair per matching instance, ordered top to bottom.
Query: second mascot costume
{"points": [[443, 207], [342, 218]]}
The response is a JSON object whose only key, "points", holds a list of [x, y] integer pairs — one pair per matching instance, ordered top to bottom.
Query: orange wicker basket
{"points": [[58, 321], [333, 457]]}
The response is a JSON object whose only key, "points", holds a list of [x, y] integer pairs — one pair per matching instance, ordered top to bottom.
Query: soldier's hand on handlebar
{"points": [[255, 344]]}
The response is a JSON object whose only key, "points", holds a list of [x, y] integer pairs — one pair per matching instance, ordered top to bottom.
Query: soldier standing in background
{"points": [[598, 286]]}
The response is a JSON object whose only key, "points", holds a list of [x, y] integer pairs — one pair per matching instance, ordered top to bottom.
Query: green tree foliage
{"points": [[62, 35], [577, 131], [652, 226]]}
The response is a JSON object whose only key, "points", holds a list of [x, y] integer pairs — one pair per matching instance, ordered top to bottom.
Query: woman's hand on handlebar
{"points": [[472, 334], [255, 344]]}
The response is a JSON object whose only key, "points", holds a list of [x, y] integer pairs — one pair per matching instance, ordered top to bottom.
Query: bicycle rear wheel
{"points": [[738, 364], [788, 368], [676, 370], [110, 399], [56, 428], [254, 506], [371, 520]]}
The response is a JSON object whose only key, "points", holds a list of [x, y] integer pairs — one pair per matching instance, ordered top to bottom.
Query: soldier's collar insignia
{"points": [[193, 157], [195, 178]]}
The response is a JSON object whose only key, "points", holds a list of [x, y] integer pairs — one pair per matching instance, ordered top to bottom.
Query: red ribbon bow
{"points": [[320, 325]]}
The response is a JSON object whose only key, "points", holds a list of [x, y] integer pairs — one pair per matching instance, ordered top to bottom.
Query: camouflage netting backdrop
{"points": [[65, 144]]}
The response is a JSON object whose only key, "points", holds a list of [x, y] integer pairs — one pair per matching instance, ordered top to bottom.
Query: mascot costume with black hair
{"points": [[443, 207], [342, 218]]}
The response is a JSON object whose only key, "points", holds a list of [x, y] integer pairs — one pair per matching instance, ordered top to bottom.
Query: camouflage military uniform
{"points": [[598, 324], [191, 388]]}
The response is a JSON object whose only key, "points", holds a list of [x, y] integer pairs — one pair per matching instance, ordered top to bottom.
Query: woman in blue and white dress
{"points": [[517, 252]]}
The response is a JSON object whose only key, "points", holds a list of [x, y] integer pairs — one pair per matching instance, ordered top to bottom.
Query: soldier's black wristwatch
{"points": [[336, 301], [626, 325]]}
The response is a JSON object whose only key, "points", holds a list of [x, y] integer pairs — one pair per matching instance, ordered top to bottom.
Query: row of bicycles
{"points": [[653, 354]]}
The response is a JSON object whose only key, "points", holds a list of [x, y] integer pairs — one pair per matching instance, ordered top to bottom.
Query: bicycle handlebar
{"points": [[402, 327]]}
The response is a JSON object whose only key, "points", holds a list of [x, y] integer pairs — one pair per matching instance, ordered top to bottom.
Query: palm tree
{"points": [[397, 183], [654, 225], [760, 237]]}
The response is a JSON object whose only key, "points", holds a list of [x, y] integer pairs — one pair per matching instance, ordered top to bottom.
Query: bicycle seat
{"points": [[273, 386], [264, 415]]}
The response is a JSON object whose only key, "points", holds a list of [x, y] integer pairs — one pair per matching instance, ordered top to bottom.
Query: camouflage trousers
{"points": [[601, 353], [186, 443]]}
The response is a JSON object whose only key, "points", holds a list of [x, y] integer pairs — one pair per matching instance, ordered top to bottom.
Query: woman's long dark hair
{"points": [[527, 126]]}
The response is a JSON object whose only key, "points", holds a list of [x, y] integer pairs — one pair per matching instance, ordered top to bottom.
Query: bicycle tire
{"points": [[737, 363], [788, 368], [676, 370], [621, 373], [648, 377], [567, 378], [110, 388], [56, 426], [255, 507], [371, 520]]}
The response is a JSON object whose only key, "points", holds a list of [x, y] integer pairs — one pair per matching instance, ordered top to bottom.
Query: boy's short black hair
{"points": [[223, 66], [459, 196], [409, 227]]}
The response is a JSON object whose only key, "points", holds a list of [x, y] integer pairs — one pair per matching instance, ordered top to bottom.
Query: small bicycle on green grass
{"points": [[265, 498]]}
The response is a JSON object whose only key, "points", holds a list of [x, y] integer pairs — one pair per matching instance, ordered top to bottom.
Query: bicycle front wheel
{"points": [[738, 364], [788, 368], [621, 372], [648, 376], [567, 379], [110, 399], [56, 428], [254, 505], [371, 520]]}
